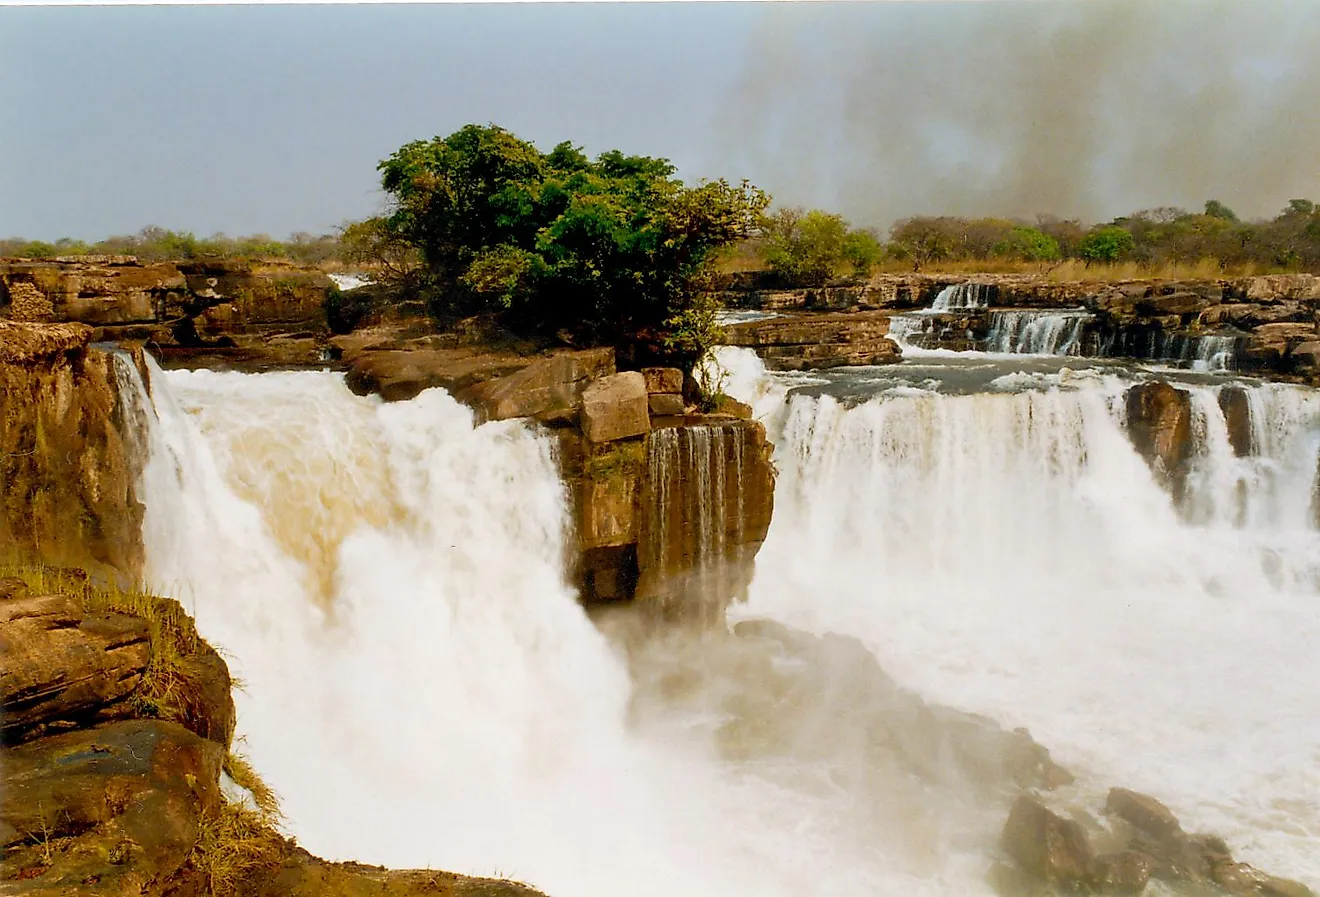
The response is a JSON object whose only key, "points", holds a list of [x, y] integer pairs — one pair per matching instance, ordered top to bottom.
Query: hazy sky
{"points": [[271, 119]]}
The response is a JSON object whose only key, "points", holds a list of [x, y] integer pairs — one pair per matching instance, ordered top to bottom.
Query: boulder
{"points": [[663, 380], [547, 387], [665, 404], [616, 407], [1236, 407], [1159, 423], [58, 663], [113, 809], [1144, 812], [1047, 845], [1125, 872]]}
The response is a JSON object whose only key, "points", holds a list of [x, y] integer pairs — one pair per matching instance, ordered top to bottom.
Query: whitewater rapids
{"points": [[422, 689]]}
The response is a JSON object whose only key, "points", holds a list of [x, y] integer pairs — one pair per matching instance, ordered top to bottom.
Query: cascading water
{"points": [[962, 296], [1037, 332], [1004, 548], [422, 690]]}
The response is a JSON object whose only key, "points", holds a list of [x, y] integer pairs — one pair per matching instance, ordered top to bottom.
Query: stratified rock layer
{"points": [[67, 460]]}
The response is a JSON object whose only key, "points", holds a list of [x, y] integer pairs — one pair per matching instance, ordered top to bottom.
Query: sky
{"points": [[271, 119]]}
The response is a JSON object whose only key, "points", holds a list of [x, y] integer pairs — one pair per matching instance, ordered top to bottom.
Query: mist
{"points": [[1087, 110]]}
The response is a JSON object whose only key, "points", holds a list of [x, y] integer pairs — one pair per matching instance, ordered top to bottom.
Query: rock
{"points": [[1180, 303], [819, 340], [1268, 346], [663, 380], [546, 387], [666, 404], [728, 405], [616, 407], [1236, 408], [1159, 421], [68, 466], [704, 511], [58, 663], [109, 810], [1144, 812], [1048, 846], [1126, 872], [303, 875], [1239, 878]]}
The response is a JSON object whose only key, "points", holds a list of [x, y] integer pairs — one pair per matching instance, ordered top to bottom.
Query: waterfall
{"points": [[962, 296], [1037, 332], [693, 526], [1008, 550], [422, 690]]}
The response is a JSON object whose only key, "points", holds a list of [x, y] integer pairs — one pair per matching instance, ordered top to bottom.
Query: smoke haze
{"points": [[1088, 109]]}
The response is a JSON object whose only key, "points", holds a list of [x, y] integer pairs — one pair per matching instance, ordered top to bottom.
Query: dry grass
{"points": [[1076, 270], [171, 631], [241, 771], [234, 844]]}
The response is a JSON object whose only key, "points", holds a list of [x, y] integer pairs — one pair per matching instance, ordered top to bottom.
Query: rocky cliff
{"points": [[229, 312], [1266, 323], [68, 462], [669, 505]]}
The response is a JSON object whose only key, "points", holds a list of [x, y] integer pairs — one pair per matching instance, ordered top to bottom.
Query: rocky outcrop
{"points": [[225, 312], [1268, 322], [818, 340], [1159, 423], [67, 460], [669, 506], [62, 663], [102, 798], [114, 809], [1143, 840]]}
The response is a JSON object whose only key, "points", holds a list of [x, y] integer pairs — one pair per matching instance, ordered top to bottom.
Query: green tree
{"points": [[1216, 209], [1027, 244], [1105, 244], [608, 250]]}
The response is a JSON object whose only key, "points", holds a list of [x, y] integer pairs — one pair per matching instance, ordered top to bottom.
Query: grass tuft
{"points": [[241, 771]]}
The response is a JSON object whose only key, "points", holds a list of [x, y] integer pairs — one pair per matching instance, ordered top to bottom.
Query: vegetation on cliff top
{"points": [[608, 250]]}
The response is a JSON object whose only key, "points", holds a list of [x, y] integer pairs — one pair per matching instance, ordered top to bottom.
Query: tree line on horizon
{"points": [[811, 247], [617, 250]]}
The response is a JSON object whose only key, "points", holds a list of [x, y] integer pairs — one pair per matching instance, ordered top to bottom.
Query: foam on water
{"points": [[1009, 552], [421, 688]]}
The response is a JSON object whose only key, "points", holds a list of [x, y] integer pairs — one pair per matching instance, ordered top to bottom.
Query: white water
{"points": [[350, 281], [961, 296], [1036, 332], [1007, 551], [422, 690]]}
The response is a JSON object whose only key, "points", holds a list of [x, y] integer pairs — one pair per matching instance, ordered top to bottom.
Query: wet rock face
{"points": [[1236, 406], [1159, 421], [68, 462], [1048, 846], [1053, 855]]}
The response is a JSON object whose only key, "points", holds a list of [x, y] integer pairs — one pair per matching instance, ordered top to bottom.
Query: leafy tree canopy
{"points": [[1028, 244], [1105, 244], [607, 248], [809, 248]]}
